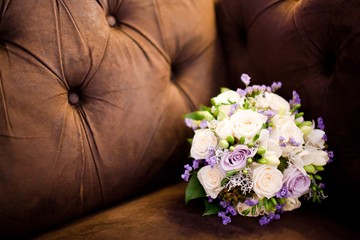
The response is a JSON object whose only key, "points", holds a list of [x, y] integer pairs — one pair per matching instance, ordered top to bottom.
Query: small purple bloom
{"points": [[245, 79], [275, 86], [241, 92], [295, 99], [233, 108], [320, 123], [203, 124], [292, 142], [331, 156], [211, 157], [195, 164], [186, 173], [283, 193], [251, 202], [224, 204], [230, 209], [226, 220], [264, 220]]}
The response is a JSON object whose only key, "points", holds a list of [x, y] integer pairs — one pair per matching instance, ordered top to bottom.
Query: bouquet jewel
{"points": [[254, 154]]}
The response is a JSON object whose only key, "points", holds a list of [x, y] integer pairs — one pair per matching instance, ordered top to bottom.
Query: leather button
{"points": [[111, 21], [73, 98]]}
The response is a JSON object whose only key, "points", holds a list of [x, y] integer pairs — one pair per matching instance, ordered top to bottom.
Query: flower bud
{"points": [[300, 114], [306, 130], [230, 140], [223, 143], [231, 148], [261, 150], [272, 160], [262, 161], [309, 168], [319, 168]]}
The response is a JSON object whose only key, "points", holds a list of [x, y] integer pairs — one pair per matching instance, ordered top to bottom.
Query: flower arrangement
{"points": [[253, 154]]}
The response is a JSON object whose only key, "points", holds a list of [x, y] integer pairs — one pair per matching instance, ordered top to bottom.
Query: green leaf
{"points": [[205, 108], [232, 172], [194, 189], [211, 208], [253, 210], [246, 212]]}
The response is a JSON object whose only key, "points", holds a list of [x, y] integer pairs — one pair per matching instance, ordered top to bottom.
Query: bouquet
{"points": [[254, 154]]}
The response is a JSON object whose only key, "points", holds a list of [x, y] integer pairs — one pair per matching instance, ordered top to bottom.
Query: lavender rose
{"points": [[237, 158], [296, 182]]}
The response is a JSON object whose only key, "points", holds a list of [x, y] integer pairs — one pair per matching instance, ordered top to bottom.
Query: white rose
{"points": [[227, 97], [274, 102], [247, 123], [224, 129], [288, 131], [315, 138], [203, 140], [210, 178], [267, 180], [291, 204]]}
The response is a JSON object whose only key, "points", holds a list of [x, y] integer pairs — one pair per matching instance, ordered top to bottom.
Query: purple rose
{"points": [[237, 158], [296, 182]]}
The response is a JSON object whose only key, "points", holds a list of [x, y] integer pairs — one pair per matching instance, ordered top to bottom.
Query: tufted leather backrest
{"points": [[313, 47], [92, 95]]}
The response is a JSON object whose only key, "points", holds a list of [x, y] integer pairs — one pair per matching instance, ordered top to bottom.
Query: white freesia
{"points": [[227, 97], [274, 102], [247, 123], [224, 129], [287, 131], [316, 138], [203, 140], [273, 150], [314, 156], [210, 178], [267, 180], [291, 204]]}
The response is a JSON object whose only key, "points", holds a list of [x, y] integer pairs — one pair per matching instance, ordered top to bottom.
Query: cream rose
{"points": [[274, 102], [247, 123], [223, 128], [203, 140], [210, 178], [267, 180]]}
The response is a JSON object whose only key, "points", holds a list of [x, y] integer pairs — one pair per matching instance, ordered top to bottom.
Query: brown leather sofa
{"points": [[92, 139]]}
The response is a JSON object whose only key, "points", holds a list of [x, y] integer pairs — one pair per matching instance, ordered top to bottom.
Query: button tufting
{"points": [[111, 20], [73, 98]]}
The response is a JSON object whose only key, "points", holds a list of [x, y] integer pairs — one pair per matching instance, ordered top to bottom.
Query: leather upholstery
{"points": [[92, 95]]}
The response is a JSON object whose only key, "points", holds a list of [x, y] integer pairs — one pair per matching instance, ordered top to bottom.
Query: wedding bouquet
{"points": [[254, 154]]}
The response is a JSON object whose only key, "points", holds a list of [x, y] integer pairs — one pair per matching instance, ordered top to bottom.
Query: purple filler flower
{"points": [[245, 79], [237, 158]]}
